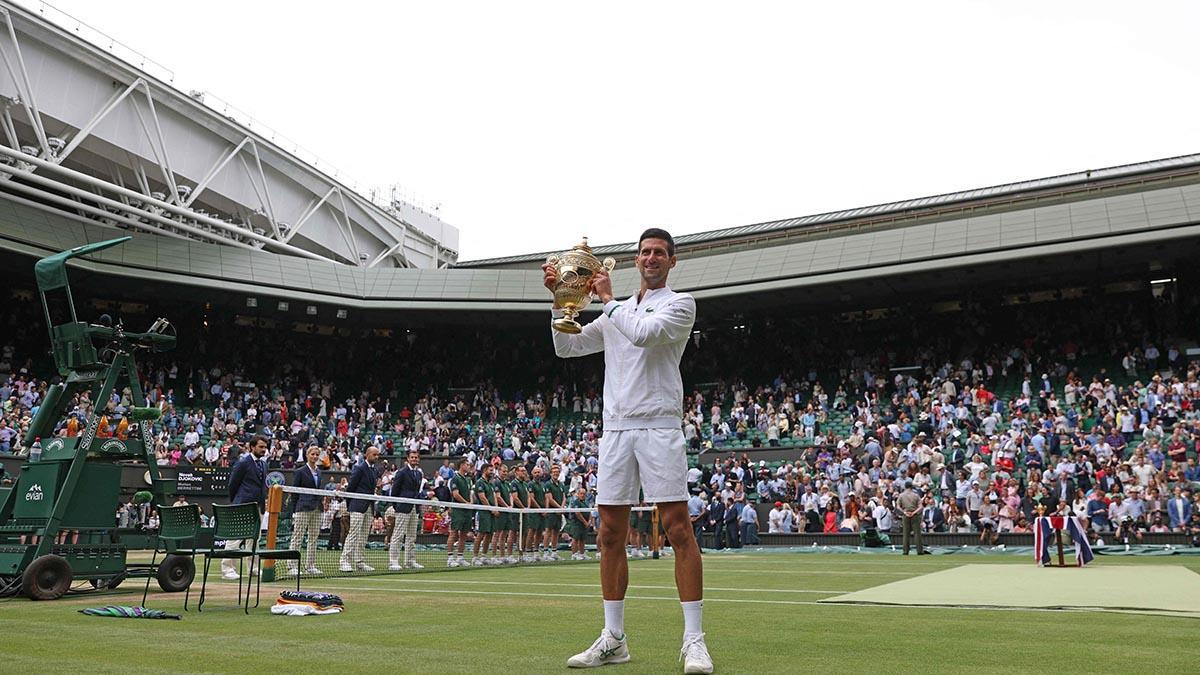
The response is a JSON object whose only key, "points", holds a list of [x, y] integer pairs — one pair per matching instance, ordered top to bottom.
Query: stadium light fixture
{"points": [[1159, 282], [252, 302], [282, 306], [311, 310]]}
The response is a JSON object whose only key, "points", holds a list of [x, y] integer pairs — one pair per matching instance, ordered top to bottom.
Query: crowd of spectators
{"points": [[917, 399], [990, 410]]}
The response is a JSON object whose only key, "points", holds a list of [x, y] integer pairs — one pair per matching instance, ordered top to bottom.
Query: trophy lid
{"points": [[583, 246]]}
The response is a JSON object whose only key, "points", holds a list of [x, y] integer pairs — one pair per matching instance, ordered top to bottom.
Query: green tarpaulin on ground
{"points": [[1167, 590]]}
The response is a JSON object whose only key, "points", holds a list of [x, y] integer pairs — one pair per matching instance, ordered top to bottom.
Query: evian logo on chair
{"points": [[34, 493]]}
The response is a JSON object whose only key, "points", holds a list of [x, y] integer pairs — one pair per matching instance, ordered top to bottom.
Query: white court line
{"points": [[814, 559], [671, 570], [853, 573], [547, 583], [592, 598]]}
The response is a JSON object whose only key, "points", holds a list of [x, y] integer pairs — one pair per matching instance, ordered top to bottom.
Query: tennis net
{"points": [[344, 533]]}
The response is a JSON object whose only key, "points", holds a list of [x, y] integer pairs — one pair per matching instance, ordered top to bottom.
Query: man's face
{"points": [[654, 262], [259, 448], [372, 454], [414, 458], [554, 471]]}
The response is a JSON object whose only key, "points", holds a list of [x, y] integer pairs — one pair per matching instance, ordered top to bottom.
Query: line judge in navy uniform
{"points": [[363, 480], [407, 482], [247, 484], [306, 511]]}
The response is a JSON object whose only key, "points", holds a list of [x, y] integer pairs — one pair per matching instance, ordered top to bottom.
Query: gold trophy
{"points": [[573, 292]]}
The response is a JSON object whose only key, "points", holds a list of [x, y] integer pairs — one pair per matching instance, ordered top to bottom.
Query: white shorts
{"points": [[653, 459]]}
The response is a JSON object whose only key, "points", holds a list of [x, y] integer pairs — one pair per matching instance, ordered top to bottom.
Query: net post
{"points": [[274, 506], [654, 541]]}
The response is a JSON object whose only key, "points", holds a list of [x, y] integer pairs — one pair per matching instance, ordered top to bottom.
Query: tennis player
{"points": [[643, 338]]}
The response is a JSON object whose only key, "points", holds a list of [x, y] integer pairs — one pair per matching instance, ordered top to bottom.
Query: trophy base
{"points": [[566, 325]]}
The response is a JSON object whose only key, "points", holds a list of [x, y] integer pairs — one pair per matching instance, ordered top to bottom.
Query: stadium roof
{"points": [[891, 208], [1130, 223]]}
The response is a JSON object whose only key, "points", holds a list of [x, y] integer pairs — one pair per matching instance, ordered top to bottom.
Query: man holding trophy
{"points": [[643, 339]]}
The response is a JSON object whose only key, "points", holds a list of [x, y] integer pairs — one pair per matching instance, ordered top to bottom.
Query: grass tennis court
{"points": [[761, 616]]}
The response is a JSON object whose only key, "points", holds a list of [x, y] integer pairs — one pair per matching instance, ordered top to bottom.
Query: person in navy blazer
{"points": [[363, 480], [407, 482], [247, 484], [306, 511], [1179, 511]]}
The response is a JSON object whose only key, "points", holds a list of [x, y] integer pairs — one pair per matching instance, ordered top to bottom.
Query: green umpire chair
{"points": [[177, 525]]}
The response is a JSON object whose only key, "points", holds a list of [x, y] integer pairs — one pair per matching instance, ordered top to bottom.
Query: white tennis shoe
{"points": [[608, 648], [695, 655]]}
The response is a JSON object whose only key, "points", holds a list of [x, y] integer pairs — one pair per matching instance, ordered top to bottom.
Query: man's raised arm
{"points": [[672, 323]]}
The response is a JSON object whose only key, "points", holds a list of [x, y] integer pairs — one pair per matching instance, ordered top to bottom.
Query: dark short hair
{"points": [[658, 233]]}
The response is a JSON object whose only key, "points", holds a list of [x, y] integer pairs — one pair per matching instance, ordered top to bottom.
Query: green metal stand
{"points": [[66, 500]]}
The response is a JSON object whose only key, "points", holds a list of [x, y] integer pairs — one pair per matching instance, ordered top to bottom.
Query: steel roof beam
{"points": [[90, 180]]}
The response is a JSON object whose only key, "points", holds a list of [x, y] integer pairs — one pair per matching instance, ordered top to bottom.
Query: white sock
{"points": [[692, 614], [614, 617]]}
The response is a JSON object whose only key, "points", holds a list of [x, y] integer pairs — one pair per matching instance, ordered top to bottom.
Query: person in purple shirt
{"points": [[1116, 441], [1156, 457]]}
